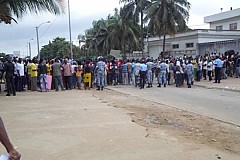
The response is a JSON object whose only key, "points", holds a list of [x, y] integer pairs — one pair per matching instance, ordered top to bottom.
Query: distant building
{"points": [[223, 35]]}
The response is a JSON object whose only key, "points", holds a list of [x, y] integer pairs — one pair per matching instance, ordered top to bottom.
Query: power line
{"points": [[48, 27]]}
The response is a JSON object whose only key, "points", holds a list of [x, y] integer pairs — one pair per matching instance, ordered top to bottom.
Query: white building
{"points": [[224, 28]]}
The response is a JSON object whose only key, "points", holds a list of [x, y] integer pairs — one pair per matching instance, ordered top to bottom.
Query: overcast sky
{"points": [[15, 37]]}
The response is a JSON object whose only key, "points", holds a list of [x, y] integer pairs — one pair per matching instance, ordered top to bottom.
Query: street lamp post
{"points": [[70, 32], [38, 37], [29, 47]]}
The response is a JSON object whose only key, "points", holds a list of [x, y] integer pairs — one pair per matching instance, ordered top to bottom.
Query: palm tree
{"points": [[137, 7], [10, 8], [166, 16], [118, 31], [125, 33]]}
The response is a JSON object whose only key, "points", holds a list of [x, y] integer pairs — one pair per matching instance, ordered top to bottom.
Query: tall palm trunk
{"points": [[142, 38], [164, 41]]}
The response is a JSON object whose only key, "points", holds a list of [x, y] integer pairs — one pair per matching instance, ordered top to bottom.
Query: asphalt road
{"points": [[218, 104]]}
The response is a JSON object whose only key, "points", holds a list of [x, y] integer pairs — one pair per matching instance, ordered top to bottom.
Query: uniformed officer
{"points": [[150, 66], [100, 68], [189, 71], [143, 72], [162, 79]]}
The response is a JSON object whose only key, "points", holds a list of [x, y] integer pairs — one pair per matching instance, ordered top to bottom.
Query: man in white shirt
{"points": [[20, 74]]}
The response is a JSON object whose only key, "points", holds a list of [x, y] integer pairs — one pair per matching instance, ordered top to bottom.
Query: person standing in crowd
{"points": [[129, 64], [237, 64], [150, 66], [218, 66], [9, 68], [199, 69], [205, 69], [210, 69], [224, 69], [1, 70], [29, 71], [42, 71], [143, 72], [190, 72], [67, 73], [100, 73], [108, 73], [124, 73], [136, 73], [171, 73], [113, 74], [162, 74], [21, 75], [34, 75], [57, 75], [79, 75], [87, 76], [74, 77], [4, 139]]}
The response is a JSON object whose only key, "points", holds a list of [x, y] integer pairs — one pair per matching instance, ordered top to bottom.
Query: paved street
{"points": [[220, 104], [75, 125]]}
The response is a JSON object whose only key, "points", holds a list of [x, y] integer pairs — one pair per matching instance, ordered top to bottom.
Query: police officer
{"points": [[150, 66], [9, 68], [189, 71], [143, 72], [100, 73], [162, 79]]}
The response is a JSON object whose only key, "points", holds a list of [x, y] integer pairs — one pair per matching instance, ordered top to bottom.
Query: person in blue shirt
{"points": [[218, 66], [100, 68], [143, 72], [124, 73]]}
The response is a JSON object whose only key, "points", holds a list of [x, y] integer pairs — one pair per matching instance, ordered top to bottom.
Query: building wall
{"points": [[226, 23], [219, 47]]}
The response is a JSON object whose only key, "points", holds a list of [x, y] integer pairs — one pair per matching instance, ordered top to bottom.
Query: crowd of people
{"points": [[25, 74]]}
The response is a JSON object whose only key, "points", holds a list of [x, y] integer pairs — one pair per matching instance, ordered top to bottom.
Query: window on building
{"points": [[233, 26], [219, 28], [189, 45], [175, 46]]}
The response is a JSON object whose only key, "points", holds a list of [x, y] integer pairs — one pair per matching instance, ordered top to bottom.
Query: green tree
{"points": [[137, 7], [10, 8], [167, 17], [118, 31], [59, 47]]}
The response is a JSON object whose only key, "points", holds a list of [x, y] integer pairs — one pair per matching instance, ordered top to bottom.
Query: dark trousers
{"points": [[205, 74], [217, 74], [198, 75], [210, 75], [142, 78], [67, 80], [20, 83], [10, 85]]}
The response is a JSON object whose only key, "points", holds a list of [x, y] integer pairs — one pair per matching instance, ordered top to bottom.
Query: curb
{"points": [[217, 88]]}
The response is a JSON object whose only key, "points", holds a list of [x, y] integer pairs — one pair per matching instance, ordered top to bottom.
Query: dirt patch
{"points": [[179, 123]]}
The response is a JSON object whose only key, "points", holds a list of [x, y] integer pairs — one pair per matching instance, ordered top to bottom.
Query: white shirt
{"points": [[20, 69]]}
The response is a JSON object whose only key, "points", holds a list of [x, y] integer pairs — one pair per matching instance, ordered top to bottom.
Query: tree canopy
{"points": [[11, 8], [59, 47]]}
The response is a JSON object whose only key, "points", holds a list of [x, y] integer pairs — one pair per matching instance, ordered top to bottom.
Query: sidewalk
{"points": [[230, 84], [75, 125]]}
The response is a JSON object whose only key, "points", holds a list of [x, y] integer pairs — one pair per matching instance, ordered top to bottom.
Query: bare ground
{"points": [[184, 125]]}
